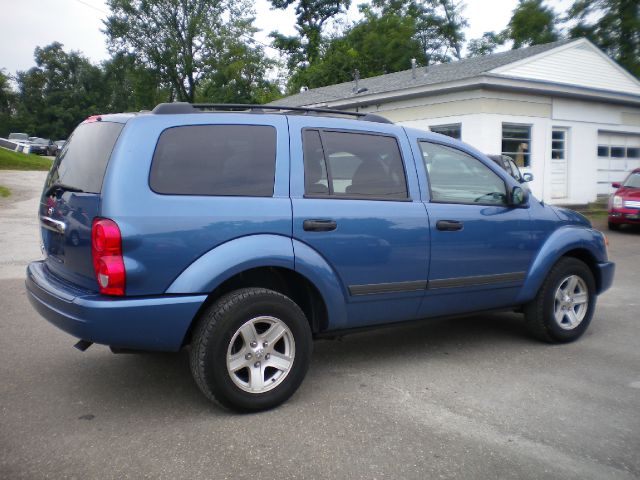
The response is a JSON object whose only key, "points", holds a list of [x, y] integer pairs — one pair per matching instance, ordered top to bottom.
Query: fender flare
{"points": [[555, 246], [254, 251], [233, 257], [311, 265]]}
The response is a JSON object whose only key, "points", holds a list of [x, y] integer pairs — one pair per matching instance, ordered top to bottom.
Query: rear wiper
{"points": [[62, 187]]}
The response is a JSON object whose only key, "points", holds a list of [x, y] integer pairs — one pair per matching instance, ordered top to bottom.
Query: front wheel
{"points": [[564, 305], [251, 349]]}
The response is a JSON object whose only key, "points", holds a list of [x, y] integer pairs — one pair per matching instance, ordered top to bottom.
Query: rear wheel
{"points": [[564, 305], [251, 349]]}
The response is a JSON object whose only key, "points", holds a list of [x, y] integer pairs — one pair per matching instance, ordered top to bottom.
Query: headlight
{"points": [[617, 201]]}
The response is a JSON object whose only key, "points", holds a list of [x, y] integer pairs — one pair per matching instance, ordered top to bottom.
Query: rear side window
{"points": [[83, 160], [225, 160], [349, 164]]}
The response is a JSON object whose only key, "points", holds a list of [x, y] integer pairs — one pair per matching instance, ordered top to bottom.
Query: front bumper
{"points": [[624, 215], [605, 272], [142, 323]]}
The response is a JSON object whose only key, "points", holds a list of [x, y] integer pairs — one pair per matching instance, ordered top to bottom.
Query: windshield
{"points": [[41, 141], [83, 160], [632, 181]]}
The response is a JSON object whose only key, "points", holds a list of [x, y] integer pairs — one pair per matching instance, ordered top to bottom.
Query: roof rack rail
{"points": [[185, 107]]}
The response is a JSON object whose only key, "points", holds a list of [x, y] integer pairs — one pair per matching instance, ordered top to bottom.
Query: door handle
{"points": [[319, 225], [449, 225]]}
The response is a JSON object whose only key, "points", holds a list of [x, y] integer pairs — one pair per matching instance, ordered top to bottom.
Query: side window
{"points": [[231, 160], [353, 165], [315, 169], [455, 177]]}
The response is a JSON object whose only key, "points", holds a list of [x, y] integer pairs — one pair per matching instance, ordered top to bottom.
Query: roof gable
{"points": [[579, 63]]}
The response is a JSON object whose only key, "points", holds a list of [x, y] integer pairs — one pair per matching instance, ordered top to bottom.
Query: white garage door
{"points": [[617, 156]]}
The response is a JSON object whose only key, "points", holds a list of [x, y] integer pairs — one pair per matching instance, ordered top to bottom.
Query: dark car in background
{"points": [[58, 144], [42, 146], [508, 165], [624, 204]]}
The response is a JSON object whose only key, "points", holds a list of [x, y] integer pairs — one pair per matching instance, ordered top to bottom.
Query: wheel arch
{"points": [[583, 244], [282, 280]]}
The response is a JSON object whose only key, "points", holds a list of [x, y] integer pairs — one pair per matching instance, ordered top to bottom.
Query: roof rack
{"points": [[185, 107]]}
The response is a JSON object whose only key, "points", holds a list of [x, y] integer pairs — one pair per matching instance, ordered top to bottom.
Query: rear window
{"points": [[83, 160], [225, 160]]}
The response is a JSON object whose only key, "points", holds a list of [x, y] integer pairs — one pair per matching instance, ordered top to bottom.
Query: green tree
{"points": [[311, 17], [532, 23], [439, 25], [613, 25], [182, 40], [379, 43], [484, 45], [240, 76], [132, 86], [59, 92], [7, 103]]}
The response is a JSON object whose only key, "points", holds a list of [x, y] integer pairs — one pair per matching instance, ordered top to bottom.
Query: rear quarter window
{"points": [[83, 160], [224, 160]]}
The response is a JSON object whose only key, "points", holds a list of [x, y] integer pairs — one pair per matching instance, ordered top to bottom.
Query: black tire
{"points": [[614, 226], [540, 313], [220, 323]]}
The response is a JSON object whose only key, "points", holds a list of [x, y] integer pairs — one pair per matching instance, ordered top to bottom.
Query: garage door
{"points": [[617, 156]]}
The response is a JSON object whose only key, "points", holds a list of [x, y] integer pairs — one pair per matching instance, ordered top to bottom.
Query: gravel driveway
{"points": [[20, 238], [471, 398]]}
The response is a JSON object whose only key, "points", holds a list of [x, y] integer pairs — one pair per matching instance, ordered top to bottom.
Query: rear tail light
{"points": [[108, 263]]}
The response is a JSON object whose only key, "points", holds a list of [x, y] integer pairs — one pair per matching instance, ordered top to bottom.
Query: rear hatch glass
{"points": [[71, 199]]}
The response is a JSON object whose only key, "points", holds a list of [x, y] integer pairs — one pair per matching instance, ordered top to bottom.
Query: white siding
{"points": [[578, 63]]}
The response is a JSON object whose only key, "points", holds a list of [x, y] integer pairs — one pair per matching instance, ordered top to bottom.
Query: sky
{"points": [[77, 24]]}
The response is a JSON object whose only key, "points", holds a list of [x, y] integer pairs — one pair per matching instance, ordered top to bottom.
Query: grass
{"points": [[18, 161], [4, 191]]}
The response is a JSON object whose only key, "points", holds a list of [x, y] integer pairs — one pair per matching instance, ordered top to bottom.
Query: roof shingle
{"points": [[440, 73]]}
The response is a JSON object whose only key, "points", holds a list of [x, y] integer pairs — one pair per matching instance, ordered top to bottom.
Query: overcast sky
{"points": [[26, 24]]}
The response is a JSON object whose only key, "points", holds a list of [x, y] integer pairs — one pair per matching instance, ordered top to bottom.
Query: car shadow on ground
{"points": [[149, 383]]}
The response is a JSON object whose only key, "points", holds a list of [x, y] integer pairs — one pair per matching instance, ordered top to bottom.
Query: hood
{"points": [[628, 192], [571, 216]]}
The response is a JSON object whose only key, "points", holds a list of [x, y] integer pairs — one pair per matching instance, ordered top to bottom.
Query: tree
{"points": [[311, 16], [532, 23], [439, 25], [613, 25], [182, 40], [378, 44], [484, 45], [132, 86], [59, 92], [7, 103]]}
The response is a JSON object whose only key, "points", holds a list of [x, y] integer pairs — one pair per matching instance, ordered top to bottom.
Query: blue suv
{"points": [[244, 232]]}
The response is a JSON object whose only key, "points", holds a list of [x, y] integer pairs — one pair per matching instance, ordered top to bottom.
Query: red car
{"points": [[624, 204]]}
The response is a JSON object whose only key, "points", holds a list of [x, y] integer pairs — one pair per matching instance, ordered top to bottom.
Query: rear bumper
{"points": [[606, 271], [142, 323]]}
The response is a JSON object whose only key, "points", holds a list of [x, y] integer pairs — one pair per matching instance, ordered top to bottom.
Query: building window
{"points": [[454, 130], [516, 143], [558, 144], [603, 150], [617, 152], [633, 152]]}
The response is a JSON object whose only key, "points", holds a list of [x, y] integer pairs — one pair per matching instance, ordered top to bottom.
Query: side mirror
{"points": [[527, 177], [616, 185], [518, 197]]}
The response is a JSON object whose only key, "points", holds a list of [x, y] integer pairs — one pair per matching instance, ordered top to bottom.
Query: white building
{"points": [[565, 111]]}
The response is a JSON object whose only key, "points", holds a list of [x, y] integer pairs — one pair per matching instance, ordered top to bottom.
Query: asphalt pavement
{"points": [[465, 398]]}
